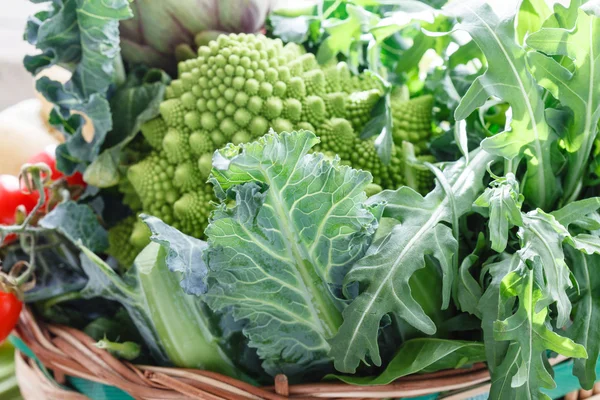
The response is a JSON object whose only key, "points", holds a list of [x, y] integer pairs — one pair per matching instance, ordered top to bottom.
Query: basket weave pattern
{"points": [[67, 351]]}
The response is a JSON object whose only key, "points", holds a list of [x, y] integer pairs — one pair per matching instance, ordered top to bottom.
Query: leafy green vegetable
{"points": [[83, 37], [508, 78], [577, 89], [133, 103], [504, 203], [77, 222], [184, 254], [279, 256], [389, 264], [468, 290], [167, 318], [585, 329], [424, 355], [526, 362]]}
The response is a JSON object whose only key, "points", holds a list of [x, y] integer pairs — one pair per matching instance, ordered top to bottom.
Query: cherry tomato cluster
{"points": [[12, 197], [15, 202]]}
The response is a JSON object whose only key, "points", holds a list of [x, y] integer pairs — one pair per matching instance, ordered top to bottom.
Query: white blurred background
{"points": [[16, 84]]}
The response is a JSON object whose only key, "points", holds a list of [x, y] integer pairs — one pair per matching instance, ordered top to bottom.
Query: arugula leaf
{"points": [[530, 17], [83, 37], [508, 78], [579, 89], [504, 203], [573, 212], [77, 222], [541, 238], [184, 254], [278, 257], [386, 270], [468, 291], [493, 308], [528, 329], [585, 329], [423, 356]]}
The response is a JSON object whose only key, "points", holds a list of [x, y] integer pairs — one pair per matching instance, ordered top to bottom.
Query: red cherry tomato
{"points": [[48, 156], [76, 180], [11, 197], [10, 308]]}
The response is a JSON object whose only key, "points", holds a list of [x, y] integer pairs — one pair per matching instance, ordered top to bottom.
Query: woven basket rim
{"points": [[70, 352]]}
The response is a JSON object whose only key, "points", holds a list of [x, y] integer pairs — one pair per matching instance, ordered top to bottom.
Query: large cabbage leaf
{"points": [[278, 257]]}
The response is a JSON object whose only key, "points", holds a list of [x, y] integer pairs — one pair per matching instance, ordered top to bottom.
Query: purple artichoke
{"points": [[165, 31]]}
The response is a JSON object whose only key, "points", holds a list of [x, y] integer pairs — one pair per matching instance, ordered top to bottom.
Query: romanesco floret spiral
{"points": [[238, 88], [412, 121], [119, 244]]}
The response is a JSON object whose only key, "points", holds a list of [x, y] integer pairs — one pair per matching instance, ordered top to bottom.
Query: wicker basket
{"points": [[68, 352]]}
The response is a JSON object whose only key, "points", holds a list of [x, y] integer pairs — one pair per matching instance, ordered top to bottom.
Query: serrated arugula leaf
{"points": [[83, 37], [508, 78], [579, 89], [504, 203], [573, 212], [77, 222], [541, 238], [184, 254], [278, 257], [385, 272], [468, 290], [493, 308], [585, 329], [422, 356], [525, 363]]}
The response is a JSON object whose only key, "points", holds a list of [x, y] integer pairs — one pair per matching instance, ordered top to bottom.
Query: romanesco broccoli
{"points": [[238, 88], [119, 245]]}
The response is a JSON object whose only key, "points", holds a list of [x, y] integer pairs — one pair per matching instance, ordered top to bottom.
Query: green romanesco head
{"points": [[238, 88]]}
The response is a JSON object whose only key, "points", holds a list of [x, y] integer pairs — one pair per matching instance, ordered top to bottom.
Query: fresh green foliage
{"points": [[83, 37], [508, 78], [577, 89], [136, 101], [503, 200], [77, 222], [298, 225], [184, 254], [390, 263], [167, 319], [585, 329], [422, 356], [525, 362]]}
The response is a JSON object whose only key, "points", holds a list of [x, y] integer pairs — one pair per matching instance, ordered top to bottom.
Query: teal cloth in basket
{"points": [[563, 375], [98, 391]]}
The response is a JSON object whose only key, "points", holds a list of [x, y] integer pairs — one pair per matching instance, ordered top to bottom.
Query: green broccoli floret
{"points": [[238, 88]]}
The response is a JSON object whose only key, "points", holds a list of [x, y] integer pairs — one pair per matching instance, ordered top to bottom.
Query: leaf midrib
{"points": [[540, 155], [432, 221], [324, 313]]}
